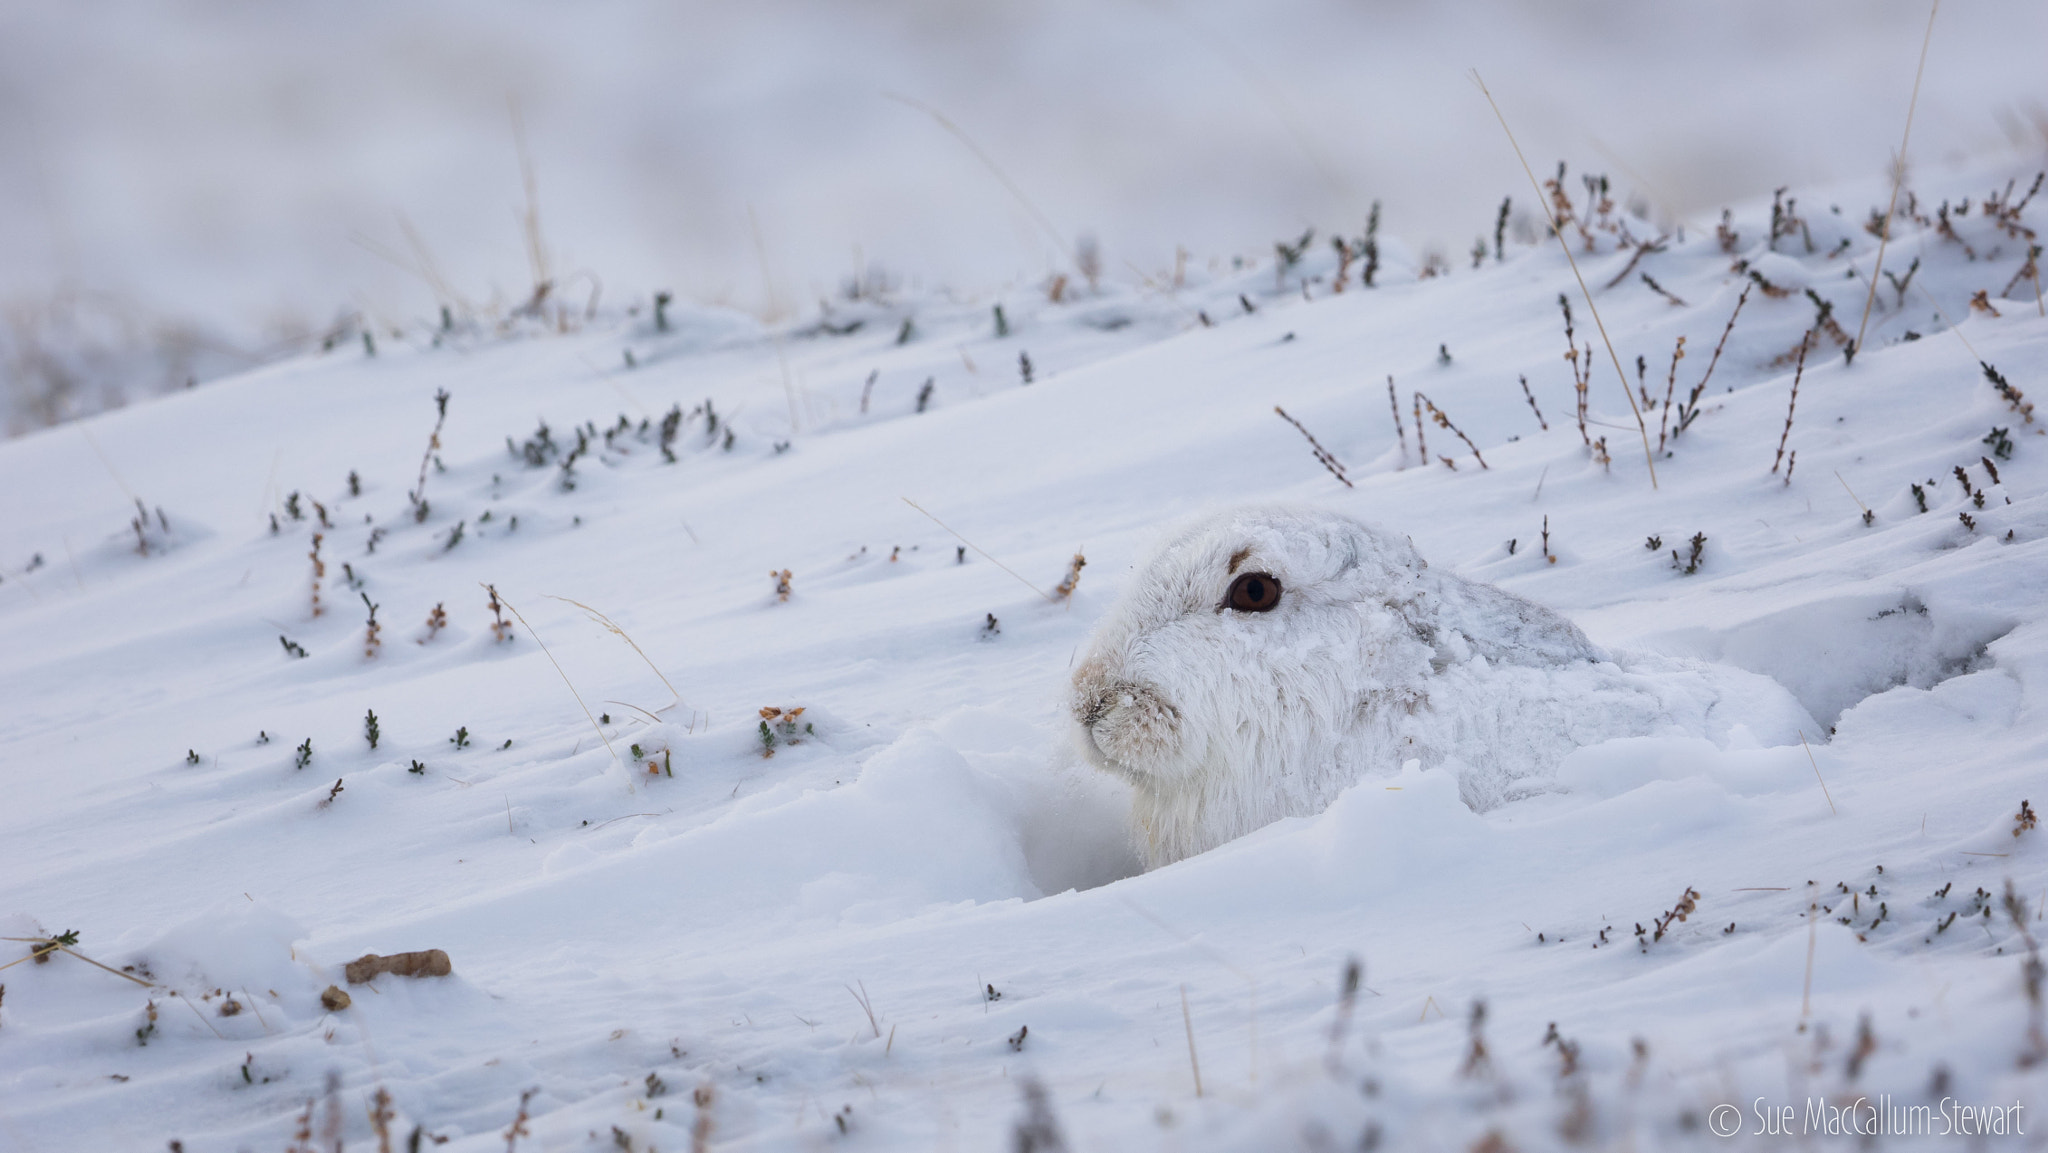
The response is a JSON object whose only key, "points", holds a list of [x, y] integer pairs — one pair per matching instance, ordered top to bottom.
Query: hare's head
{"points": [[1247, 641]]}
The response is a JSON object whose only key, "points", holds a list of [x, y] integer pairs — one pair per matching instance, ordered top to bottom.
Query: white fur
{"points": [[1224, 721]]}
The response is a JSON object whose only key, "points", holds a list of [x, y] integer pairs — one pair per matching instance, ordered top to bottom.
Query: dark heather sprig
{"points": [[1525, 392], [2016, 399], [1323, 455], [418, 496]]}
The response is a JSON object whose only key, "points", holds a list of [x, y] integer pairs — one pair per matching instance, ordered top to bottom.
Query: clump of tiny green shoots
{"points": [[780, 725]]}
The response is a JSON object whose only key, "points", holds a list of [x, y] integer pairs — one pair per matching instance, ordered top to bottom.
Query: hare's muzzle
{"points": [[1124, 726]]}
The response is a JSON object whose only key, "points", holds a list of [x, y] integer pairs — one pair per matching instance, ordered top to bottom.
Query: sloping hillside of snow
{"points": [[905, 917]]}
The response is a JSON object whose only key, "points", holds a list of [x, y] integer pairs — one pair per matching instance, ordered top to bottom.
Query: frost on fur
{"points": [[1224, 720]]}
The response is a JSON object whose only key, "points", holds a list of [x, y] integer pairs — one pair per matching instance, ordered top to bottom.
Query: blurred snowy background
{"points": [[190, 187]]}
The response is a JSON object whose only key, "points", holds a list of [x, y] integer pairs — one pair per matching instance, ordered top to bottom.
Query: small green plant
{"points": [[1289, 255], [661, 303], [1002, 323], [924, 395], [670, 425], [2001, 444], [1919, 496], [455, 536], [1653, 542], [291, 647], [780, 725], [370, 727], [461, 738], [305, 754], [191, 756], [418, 769], [148, 1029]]}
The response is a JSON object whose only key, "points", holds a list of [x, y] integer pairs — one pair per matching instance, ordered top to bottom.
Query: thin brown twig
{"points": [[989, 163], [1898, 174], [1642, 427], [984, 554], [612, 627], [564, 674], [1816, 775], [52, 942], [188, 1005]]}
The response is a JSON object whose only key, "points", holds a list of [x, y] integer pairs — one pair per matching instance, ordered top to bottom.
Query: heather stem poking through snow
{"points": [[1805, 343], [1530, 396], [1444, 421], [1641, 426], [1401, 430], [1323, 455], [418, 495]]}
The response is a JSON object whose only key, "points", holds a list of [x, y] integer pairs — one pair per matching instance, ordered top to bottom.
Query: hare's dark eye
{"points": [[1254, 592]]}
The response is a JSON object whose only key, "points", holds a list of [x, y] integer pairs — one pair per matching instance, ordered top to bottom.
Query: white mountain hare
{"points": [[1264, 659]]}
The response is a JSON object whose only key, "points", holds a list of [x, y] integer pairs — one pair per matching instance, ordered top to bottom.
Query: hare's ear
{"points": [[1350, 556]]}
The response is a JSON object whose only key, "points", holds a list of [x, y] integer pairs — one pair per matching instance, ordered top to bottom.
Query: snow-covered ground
{"points": [[918, 923]]}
